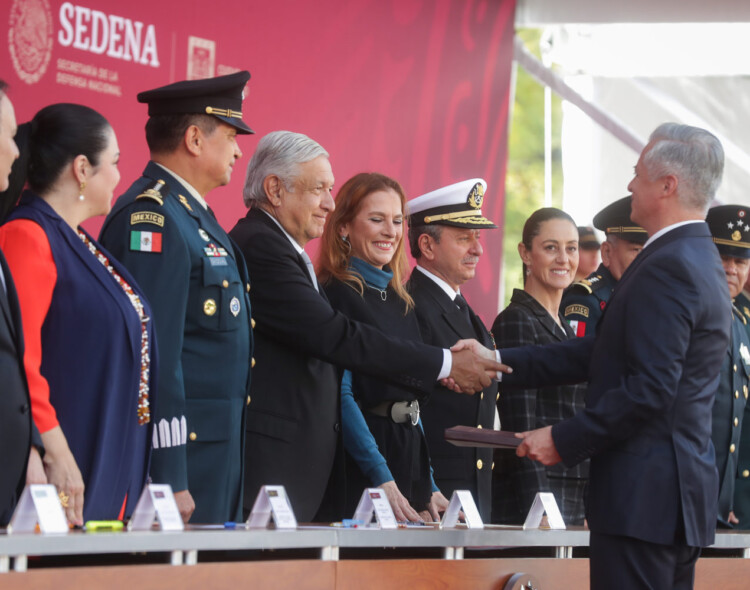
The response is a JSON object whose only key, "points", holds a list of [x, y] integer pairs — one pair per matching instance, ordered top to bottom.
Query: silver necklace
{"points": [[383, 292]]}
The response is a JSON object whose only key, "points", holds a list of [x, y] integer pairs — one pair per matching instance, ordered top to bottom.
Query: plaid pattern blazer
{"points": [[517, 480]]}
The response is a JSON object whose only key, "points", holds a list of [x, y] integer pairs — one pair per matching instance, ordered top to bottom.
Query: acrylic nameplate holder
{"points": [[462, 500], [156, 502], [374, 502], [544, 502], [272, 503], [39, 504]]}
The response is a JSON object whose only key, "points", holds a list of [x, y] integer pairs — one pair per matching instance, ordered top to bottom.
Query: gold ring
{"points": [[63, 498]]}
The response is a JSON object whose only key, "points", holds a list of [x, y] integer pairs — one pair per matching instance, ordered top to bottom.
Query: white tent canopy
{"points": [[538, 13], [640, 75]]}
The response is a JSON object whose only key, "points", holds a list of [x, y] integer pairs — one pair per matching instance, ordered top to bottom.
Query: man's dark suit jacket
{"points": [[652, 369], [15, 407], [293, 421], [455, 468]]}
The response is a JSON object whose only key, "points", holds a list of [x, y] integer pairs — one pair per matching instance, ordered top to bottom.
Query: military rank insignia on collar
{"points": [[184, 201]]}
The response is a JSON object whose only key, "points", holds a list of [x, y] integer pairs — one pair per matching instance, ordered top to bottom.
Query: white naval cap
{"points": [[459, 205]]}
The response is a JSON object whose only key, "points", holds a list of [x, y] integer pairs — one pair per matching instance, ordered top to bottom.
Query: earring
{"points": [[80, 196], [345, 239], [528, 271]]}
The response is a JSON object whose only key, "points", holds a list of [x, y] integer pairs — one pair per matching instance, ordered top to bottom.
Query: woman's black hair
{"points": [[51, 140], [533, 226]]}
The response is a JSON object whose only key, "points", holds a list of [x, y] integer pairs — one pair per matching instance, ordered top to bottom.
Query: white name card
{"points": [[462, 500], [374, 501], [156, 502], [272, 502], [544, 502], [40, 504]]}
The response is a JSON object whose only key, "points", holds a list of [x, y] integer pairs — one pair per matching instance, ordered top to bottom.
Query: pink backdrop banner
{"points": [[416, 89]]}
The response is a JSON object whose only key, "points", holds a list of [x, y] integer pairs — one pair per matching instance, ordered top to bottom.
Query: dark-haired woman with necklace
{"points": [[361, 266], [89, 343]]}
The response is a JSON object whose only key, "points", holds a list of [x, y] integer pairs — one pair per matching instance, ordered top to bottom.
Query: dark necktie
{"points": [[464, 307]]}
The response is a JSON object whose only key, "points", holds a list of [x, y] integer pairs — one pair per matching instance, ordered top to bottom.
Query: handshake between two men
{"points": [[474, 367]]}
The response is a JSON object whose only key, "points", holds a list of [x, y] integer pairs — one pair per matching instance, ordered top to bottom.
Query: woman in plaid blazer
{"points": [[549, 250]]}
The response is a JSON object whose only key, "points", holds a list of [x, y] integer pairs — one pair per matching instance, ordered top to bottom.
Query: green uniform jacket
{"points": [[197, 284], [583, 302], [728, 411]]}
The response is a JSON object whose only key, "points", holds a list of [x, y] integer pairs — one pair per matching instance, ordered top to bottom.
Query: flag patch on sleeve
{"points": [[145, 241]]}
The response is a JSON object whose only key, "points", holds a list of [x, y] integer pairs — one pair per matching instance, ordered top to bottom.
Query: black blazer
{"points": [[652, 368], [15, 407], [293, 416], [455, 468]]}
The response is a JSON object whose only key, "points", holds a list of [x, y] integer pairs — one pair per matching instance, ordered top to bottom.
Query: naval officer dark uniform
{"points": [[197, 283], [583, 303], [443, 320]]}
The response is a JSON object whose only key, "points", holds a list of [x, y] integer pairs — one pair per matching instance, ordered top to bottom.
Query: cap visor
{"points": [[238, 124]]}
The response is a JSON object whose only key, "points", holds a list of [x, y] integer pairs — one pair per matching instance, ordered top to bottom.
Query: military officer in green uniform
{"points": [[730, 228], [163, 231], [584, 301], [742, 302]]}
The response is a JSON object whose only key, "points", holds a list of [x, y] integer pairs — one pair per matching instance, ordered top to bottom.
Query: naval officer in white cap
{"points": [[445, 227]]}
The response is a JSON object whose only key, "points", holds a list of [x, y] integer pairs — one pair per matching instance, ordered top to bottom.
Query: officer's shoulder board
{"points": [[153, 193], [596, 282], [582, 285], [741, 314]]}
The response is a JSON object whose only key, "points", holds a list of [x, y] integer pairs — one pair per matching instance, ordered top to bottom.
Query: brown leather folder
{"points": [[468, 436]]}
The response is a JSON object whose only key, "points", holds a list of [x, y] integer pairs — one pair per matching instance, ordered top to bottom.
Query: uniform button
{"points": [[225, 283], [248, 287], [252, 323], [252, 362], [735, 368], [481, 395], [736, 395], [497, 397], [248, 400], [736, 421], [479, 425], [337, 427], [193, 436], [732, 448], [479, 464], [493, 466], [746, 473]]}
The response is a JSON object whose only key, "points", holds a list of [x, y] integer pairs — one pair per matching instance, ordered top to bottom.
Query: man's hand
{"points": [[473, 368], [539, 446], [185, 504]]}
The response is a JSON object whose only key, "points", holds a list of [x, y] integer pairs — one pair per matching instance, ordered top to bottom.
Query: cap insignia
{"points": [[476, 196]]}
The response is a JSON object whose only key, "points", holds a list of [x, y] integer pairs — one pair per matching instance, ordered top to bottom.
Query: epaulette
{"points": [[153, 193], [585, 284], [739, 314]]}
